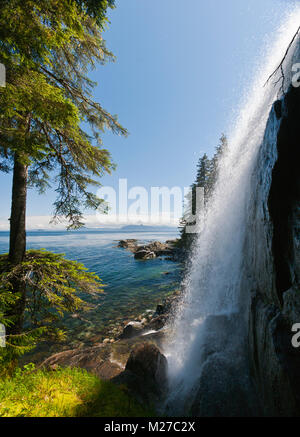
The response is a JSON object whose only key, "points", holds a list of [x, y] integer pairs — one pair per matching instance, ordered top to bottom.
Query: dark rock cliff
{"points": [[272, 251]]}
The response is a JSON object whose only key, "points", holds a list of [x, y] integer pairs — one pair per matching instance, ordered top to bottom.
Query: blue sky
{"points": [[181, 70]]}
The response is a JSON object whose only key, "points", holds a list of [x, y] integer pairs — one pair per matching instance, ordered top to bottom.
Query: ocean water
{"points": [[132, 286]]}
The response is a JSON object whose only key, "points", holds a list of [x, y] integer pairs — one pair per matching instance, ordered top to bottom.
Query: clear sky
{"points": [[181, 70]]}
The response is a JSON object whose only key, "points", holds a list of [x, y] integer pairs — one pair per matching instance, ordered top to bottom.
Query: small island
{"points": [[153, 249]]}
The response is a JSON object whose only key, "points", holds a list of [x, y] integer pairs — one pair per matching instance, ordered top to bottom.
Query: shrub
{"points": [[51, 285]]}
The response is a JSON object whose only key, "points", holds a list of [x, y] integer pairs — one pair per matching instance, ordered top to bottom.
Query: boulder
{"points": [[130, 244], [160, 249], [144, 254], [163, 308], [160, 309], [158, 322], [132, 329], [94, 359], [147, 362], [145, 374]]}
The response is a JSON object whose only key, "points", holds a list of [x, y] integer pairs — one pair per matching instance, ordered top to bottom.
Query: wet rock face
{"points": [[284, 196], [273, 263], [275, 363], [224, 388]]}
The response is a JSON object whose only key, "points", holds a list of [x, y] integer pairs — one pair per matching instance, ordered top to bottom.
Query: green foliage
{"points": [[96, 8], [30, 31], [214, 165], [207, 174], [52, 285], [64, 393]]}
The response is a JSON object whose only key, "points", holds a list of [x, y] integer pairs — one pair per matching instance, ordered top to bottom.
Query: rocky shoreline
{"points": [[152, 250], [138, 323], [151, 324], [131, 352], [132, 358]]}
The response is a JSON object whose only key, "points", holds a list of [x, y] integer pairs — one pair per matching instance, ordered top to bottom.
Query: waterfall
{"points": [[206, 348]]}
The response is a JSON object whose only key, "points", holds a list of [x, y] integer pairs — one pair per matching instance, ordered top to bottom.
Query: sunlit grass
{"points": [[65, 393]]}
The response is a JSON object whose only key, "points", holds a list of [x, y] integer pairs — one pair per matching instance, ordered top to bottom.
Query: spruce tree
{"points": [[48, 47], [214, 164], [203, 172], [207, 174], [202, 177]]}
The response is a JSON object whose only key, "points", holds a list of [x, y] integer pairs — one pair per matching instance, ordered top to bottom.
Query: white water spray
{"points": [[212, 286]]}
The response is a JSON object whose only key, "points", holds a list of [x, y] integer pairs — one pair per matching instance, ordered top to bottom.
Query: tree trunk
{"points": [[17, 243]]}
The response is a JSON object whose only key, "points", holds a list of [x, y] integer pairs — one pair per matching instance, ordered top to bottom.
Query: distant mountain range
{"points": [[127, 228], [145, 228]]}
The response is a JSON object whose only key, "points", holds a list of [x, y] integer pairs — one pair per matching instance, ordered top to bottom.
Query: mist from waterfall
{"points": [[213, 283]]}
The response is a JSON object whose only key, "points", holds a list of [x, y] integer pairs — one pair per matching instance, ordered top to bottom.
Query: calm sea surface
{"points": [[132, 286]]}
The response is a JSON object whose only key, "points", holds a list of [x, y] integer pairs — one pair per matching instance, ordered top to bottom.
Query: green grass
{"points": [[65, 392]]}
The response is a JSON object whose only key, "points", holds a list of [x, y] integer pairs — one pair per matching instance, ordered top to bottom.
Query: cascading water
{"points": [[206, 349]]}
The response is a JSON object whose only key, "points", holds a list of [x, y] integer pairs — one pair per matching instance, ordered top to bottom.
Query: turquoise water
{"points": [[132, 286]]}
